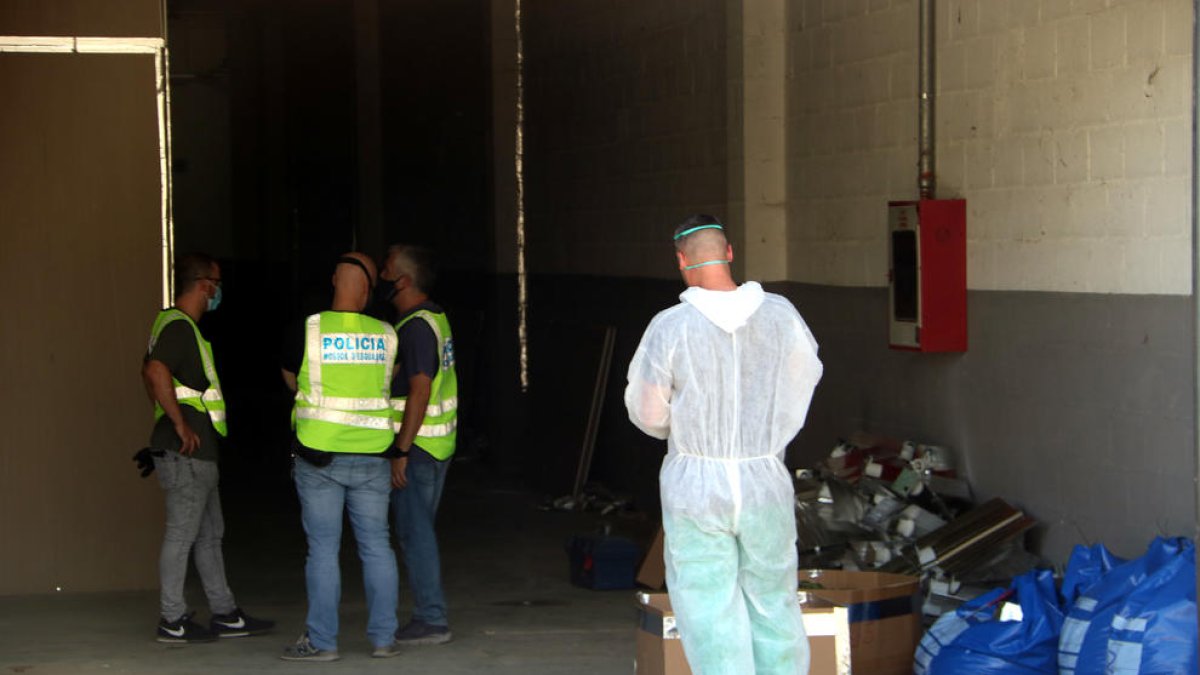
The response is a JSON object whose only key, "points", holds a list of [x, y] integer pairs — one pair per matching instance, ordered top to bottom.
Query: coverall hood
{"points": [[729, 310]]}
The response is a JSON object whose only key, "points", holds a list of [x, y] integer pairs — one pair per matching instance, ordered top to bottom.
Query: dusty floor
{"points": [[512, 608]]}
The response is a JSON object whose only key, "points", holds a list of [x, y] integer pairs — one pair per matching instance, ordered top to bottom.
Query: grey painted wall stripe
{"points": [[1079, 407]]}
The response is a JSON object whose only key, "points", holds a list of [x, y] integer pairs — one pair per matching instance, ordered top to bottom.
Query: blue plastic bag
{"points": [[1086, 566], [1138, 618], [948, 627], [971, 640]]}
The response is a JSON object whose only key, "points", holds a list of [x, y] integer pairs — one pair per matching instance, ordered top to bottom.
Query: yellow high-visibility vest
{"points": [[343, 387], [210, 401], [438, 434]]}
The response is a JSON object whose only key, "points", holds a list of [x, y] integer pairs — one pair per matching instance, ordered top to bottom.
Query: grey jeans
{"points": [[194, 523]]}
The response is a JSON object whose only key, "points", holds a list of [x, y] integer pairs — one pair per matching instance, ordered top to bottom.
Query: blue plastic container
{"points": [[603, 562]]}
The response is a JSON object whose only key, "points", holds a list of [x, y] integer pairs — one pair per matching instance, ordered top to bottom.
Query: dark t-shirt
{"points": [[293, 347], [177, 349], [417, 353], [293, 359]]}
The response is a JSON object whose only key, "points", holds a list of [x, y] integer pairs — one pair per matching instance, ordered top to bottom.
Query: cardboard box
{"points": [[653, 571], [884, 615], [857, 622], [659, 651]]}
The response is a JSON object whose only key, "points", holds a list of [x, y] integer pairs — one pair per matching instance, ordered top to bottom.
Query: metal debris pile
{"points": [[594, 497], [879, 504]]}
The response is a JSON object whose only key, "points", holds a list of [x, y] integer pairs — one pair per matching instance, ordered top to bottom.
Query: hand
{"points": [[189, 441], [400, 473]]}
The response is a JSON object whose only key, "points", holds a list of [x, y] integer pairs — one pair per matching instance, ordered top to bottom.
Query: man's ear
{"points": [[729, 252], [682, 260]]}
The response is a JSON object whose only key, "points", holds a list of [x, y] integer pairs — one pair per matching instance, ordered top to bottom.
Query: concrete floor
{"points": [[512, 608]]}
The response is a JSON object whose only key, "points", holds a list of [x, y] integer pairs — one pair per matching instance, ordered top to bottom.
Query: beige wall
{"points": [[107, 18], [756, 54], [1065, 125], [80, 262]]}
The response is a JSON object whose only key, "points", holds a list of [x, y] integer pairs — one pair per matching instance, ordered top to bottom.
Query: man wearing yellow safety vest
{"points": [[425, 399], [189, 411], [344, 439]]}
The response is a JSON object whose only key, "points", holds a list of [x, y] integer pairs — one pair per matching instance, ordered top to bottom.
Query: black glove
{"points": [[145, 460]]}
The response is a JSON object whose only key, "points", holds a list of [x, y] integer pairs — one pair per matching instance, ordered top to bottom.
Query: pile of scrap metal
{"points": [[879, 504]]}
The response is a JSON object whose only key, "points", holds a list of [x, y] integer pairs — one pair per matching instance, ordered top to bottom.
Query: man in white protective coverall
{"points": [[727, 376]]}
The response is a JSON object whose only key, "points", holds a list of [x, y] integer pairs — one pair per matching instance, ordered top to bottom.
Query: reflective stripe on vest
{"points": [[182, 391], [210, 401], [344, 403], [432, 410], [344, 418], [437, 430]]}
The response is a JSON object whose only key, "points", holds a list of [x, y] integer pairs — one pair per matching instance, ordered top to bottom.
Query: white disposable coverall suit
{"points": [[726, 377]]}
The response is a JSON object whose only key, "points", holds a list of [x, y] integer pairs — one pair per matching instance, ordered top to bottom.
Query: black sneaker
{"points": [[238, 624], [183, 629], [417, 632]]}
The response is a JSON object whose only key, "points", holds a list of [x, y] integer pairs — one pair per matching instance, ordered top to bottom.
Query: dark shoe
{"points": [[238, 624], [183, 629], [417, 632], [304, 650], [386, 651]]}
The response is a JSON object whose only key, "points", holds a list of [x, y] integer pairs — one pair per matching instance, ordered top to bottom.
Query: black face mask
{"points": [[385, 291]]}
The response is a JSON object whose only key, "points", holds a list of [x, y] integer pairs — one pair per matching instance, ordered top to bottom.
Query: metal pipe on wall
{"points": [[926, 89], [1195, 217]]}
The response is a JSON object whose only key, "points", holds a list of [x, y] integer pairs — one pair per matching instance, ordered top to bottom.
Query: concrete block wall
{"points": [[852, 124], [1065, 125], [625, 130]]}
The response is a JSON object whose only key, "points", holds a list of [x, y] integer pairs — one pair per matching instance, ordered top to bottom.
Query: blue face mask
{"points": [[215, 301]]}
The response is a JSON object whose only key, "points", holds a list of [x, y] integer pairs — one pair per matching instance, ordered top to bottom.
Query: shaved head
{"points": [[700, 244], [703, 245], [347, 268], [353, 278]]}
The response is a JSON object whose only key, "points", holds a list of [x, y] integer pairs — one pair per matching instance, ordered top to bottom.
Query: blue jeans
{"points": [[360, 483], [414, 510]]}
